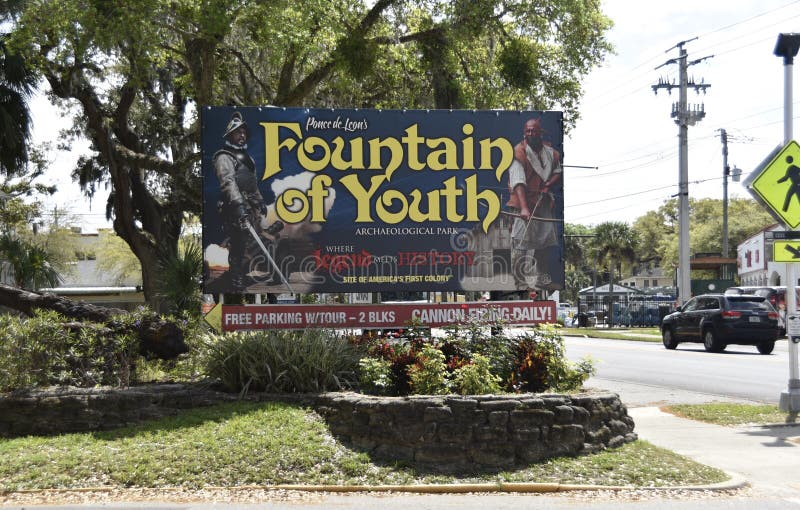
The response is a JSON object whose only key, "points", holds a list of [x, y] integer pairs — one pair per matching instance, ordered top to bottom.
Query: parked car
{"points": [[776, 295], [718, 320]]}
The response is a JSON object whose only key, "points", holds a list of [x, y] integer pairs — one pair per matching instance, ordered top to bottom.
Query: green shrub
{"points": [[482, 334], [43, 351], [398, 358], [472, 358], [310, 360], [540, 364], [429, 375], [375, 376], [476, 378]]}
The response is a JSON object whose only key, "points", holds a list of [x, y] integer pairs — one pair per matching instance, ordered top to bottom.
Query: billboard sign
{"points": [[337, 200]]}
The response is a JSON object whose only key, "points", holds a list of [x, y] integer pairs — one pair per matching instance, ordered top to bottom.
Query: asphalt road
{"points": [[738, 373]]}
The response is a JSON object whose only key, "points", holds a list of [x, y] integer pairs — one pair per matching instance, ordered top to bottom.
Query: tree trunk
{"points": [[611, 296], [157, 337]]}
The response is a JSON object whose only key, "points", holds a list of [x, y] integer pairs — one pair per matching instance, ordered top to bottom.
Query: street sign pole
{"points": [[787, 47]]}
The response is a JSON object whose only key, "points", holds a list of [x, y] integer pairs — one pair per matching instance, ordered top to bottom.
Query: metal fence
{"points": [[632, 311]]}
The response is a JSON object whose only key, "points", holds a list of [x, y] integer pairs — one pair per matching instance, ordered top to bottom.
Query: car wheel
{"points": [[670, 342], [711, 343], [765, 347]]}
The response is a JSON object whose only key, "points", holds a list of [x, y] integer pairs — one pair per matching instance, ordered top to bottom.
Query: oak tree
{"points": [[133, 76]]}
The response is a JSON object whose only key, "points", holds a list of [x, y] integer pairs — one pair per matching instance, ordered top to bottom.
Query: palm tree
{"points": [[17, 82], [613, 243], [576, 259], [30, 265]]}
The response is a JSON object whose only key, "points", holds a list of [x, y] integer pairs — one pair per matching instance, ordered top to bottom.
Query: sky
{"points": [[624, 130], [627, 131]]}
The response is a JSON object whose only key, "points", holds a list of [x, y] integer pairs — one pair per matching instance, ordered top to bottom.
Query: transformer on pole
{"points": [[685, 115]]}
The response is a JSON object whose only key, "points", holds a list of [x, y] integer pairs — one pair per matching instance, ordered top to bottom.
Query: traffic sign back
{"points": [[776, 184], [783, 235]]}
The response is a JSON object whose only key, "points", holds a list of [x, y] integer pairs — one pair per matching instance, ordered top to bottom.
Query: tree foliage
{"points": [[134, 74], [17, 81], [658, 229], [33, 253], [115, 258]]}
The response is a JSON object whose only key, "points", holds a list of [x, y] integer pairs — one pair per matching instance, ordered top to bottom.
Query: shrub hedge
{"points": [[44, 351], [467, 359], [311, 360]]}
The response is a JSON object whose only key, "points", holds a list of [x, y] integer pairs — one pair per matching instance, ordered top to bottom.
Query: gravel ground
{"points": [[253, 495]]}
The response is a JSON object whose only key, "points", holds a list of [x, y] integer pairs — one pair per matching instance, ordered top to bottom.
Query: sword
{"points": [[528, 224], [269, 257]]}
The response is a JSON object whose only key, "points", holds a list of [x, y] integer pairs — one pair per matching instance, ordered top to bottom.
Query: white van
{"points": [[565, 312]]}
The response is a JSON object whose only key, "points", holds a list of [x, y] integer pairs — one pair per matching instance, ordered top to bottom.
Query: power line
{"points": [[726, 27], [627, 78], [661, 156]]}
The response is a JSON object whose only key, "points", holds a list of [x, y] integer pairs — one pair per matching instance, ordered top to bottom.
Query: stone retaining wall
{"points": [[64, 410], [445, 433], [452, 433]]}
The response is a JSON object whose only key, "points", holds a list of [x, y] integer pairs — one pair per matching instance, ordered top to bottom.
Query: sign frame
{"points": [[361, 200], [378, 316]]}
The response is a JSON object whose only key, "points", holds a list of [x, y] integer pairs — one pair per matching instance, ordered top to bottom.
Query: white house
{"points": [[754, 260], [648, 279], [602, 295]]}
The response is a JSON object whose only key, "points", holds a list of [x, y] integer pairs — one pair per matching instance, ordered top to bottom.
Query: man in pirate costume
{"points": [[534, 173], [241, 205]]}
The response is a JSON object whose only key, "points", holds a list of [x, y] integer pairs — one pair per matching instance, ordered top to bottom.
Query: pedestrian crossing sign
{"points": [[776, 184]]}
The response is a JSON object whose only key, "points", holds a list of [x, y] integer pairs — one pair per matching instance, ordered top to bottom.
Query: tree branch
{"points": [[315, 77], [159, 337]]}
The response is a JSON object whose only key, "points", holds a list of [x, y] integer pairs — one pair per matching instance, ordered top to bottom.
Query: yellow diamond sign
{"points": [[776, 183], [786, 251], [214, 317]]}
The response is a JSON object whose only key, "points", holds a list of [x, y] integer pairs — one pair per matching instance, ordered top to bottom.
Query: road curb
{"points": [[736, 482]]}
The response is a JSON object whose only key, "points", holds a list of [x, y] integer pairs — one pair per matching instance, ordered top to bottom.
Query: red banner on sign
{"points": [[396, 315]]}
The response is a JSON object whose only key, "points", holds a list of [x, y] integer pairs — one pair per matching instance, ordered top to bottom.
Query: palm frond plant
{"points": [[29, 265], [179, 284]]}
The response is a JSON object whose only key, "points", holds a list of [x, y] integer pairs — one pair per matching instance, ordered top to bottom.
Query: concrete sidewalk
{"points": [[768, 457]]}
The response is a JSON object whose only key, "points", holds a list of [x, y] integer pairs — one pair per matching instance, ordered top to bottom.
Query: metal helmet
{"points": [[235, 123]]}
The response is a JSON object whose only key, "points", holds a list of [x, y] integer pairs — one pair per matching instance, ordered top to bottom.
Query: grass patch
{"points": [[636, 334], [729, 414], [274, 443]]}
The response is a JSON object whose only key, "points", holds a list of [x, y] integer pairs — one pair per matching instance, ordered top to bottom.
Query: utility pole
{"points": [[685, 116], [725, 172]]}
